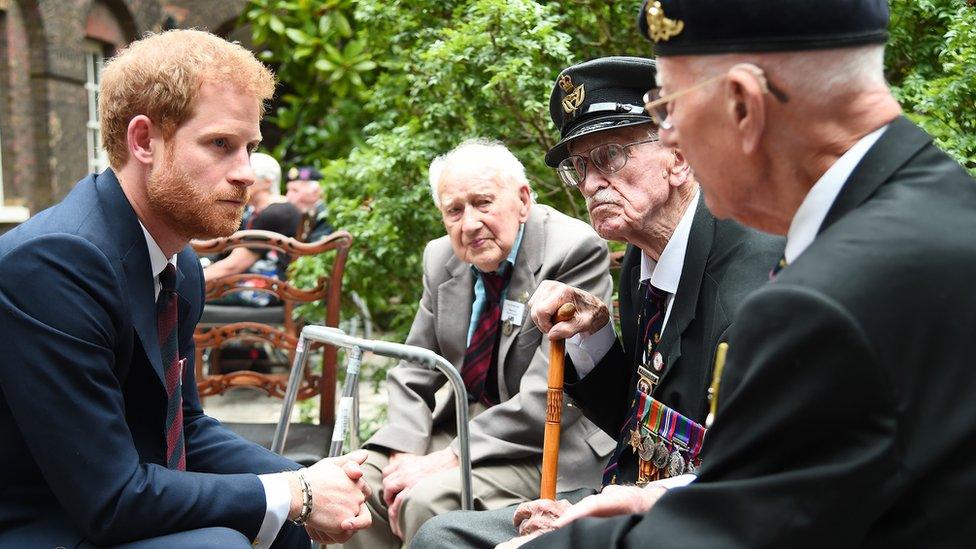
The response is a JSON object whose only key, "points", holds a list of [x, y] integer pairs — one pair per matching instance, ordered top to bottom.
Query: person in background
{"points": [[305, 192], [267, 210]]}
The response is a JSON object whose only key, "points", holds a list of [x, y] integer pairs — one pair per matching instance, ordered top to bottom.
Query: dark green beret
{"points": [[704, 27]]}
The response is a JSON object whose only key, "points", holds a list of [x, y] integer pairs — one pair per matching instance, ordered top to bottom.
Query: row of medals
{"points": [[658, 459]]}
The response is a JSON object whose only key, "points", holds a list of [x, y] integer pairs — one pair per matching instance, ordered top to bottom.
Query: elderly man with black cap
{"points": [[683, 276], [845, 414]]}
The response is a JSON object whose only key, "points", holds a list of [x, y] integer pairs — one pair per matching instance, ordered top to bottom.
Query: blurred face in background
{"points": [[304, 195]]}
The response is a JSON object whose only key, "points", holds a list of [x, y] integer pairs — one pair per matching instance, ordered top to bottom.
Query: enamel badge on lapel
{"points": [[659, 27], [574, 95], [513, 312], [658, 361]]}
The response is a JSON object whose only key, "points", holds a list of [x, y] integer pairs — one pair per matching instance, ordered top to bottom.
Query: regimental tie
{"points": [[166, 320], [483, 346], [666, 442]]}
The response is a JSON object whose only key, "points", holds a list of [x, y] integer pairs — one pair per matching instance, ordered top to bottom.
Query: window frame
{"points": [[94, 61]]}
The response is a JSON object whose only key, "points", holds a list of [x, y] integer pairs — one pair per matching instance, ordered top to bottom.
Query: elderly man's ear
{"points": [[679, 172], [525, 197]]}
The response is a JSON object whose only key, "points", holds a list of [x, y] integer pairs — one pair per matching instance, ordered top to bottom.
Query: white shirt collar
{"points": [[812, 211], [157, 259], [665, 274]]}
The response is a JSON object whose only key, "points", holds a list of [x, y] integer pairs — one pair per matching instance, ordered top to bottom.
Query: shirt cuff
{"points": [[586, 351], [675, 482], [278, 496]]}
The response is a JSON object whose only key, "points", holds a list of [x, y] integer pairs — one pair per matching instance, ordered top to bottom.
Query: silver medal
{"points": [[647, 448], [660, 459], [676, 464]]}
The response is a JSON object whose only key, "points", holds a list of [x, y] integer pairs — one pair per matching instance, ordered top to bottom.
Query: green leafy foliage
{"points": [[931, 62], [373, 90]]}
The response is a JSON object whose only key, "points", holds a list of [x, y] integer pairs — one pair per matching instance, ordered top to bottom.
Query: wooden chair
{"points": [[274, 326]]}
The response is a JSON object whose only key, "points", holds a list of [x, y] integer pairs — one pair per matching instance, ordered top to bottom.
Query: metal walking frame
{"points": [[348, 405]]}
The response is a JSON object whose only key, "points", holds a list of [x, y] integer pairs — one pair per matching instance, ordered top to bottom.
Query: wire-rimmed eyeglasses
{"points": [[656, 105], [608, 158]]}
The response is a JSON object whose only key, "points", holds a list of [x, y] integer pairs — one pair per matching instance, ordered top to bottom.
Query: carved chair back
{"points": [[283, 336]]}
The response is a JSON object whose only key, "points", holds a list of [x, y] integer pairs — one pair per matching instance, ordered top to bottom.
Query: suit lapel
{"points": [[895, 148], [134, 256], [527, 264], [455, 297], [686, 298], [184, 304], [630, 331]]}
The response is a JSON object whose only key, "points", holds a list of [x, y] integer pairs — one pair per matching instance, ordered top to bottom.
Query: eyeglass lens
{"points": [[658, 112], [607, 158]]}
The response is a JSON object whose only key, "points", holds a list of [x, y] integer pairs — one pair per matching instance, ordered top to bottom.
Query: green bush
{"points": [[931, 61], [372, 91]]}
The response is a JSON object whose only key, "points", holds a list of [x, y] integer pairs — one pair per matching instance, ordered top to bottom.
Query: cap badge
{"points": [[660, 27], [574, 95]]}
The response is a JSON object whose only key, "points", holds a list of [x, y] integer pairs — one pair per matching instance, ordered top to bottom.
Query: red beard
{"points": [[190, 211]]}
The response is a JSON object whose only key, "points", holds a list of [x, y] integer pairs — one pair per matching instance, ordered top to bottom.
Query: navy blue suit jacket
{"points": [[82, 405]]}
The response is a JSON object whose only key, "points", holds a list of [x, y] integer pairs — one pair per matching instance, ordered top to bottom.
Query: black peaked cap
{"points": [[704, 27], [598, 95]]}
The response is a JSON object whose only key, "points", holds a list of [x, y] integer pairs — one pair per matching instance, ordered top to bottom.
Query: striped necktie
{"points": [[166, 317], [483, 346]]}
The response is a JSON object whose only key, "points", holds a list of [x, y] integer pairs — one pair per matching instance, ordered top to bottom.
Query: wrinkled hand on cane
{"points": [[554, 407]]}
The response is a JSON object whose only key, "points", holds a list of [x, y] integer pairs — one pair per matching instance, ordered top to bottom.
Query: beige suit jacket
{"points": [[554, 247]]}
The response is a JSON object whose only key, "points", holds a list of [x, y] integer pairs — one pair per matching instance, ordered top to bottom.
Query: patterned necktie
{"points": [[166, 316], [650, 322], [481, 351]]}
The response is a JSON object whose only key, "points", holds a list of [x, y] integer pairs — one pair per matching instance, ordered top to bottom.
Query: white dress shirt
{"points": [[812, 211], [665, 275], [276, 490]]}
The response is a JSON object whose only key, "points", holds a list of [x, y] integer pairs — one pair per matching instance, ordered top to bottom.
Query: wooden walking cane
{"points": [[554, 407]]}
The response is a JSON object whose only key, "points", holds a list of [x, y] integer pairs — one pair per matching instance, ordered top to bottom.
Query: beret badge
{"points": [[659, 27], [574, 95]]}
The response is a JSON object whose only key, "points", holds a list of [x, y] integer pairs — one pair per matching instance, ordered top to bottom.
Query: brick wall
{"points": [[43, 101]]}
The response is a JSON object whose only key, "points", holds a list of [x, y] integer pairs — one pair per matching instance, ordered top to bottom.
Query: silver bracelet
{"points": [[306, 500]]}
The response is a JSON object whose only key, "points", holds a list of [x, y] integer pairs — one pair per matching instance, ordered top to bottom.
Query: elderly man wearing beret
{"points": [[845, 413]]}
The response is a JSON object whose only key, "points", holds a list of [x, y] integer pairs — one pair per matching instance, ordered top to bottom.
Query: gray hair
{"points": [[818, 76], [490, 153], [267, 168]]}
